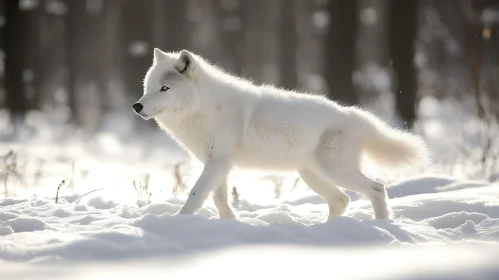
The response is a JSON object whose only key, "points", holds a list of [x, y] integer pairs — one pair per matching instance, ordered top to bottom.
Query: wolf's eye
{"points": [[164, 88]]}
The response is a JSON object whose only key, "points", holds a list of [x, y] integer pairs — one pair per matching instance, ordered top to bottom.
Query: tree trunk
{"points": [[255, 12], [32, 17], [231, 25], [176, 26], [403, 32], [141, 34], [15, 40], [110, 42], [288, 45], [482, 45], [310, 46], [138, 47], [52, 48], [340, 50], [372, 54], [2, 59], [451, 66]]}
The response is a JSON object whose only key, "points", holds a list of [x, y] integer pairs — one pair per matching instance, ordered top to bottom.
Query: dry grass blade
{"points": [[10, 169], [63, 182], [142, 189], [76, 200]]}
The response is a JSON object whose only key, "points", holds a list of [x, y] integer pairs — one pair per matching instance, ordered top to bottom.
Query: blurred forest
{"points": [[84, 60]]}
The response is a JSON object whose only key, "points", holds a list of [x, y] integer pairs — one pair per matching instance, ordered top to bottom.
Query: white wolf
{"points": [[225, 121]]}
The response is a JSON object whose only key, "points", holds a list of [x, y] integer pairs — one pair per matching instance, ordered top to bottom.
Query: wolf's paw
{"points": [[185, 211], [179, 213], [383, 215], [227, 216]]}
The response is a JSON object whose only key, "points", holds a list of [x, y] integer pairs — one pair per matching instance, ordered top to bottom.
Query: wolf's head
{"points": [[169, 86]]}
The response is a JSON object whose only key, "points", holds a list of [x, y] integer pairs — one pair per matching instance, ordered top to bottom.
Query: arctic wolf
{"points": [[225, 121]]}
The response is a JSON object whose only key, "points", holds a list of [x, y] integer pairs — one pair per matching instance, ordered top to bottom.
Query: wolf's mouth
{"points": [[145, 117], [148, 117]]}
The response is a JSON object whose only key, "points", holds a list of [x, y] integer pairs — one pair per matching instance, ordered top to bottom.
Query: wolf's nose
{"points": [[137, 107]]}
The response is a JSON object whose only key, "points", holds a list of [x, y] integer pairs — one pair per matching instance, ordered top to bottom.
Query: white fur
{"points": [[226, 121]]}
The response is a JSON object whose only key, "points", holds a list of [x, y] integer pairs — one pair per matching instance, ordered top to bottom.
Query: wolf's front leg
{"points": [[214, 173], [220, 197]]}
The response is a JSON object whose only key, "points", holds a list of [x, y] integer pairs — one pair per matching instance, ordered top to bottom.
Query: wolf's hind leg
{"points": [[339, 161], [354, 180], [336, 199]]}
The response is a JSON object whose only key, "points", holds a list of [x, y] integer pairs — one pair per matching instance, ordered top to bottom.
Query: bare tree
{"points": [[32, 13], [231, 24], [170, 25], [176, 26], [312, 27], [403, 32], [15, 41], [110, 41], [288, 44], [482, 45], [445, 46], [371, 47], [137, 49], [51, 50], [340, 50], [253, 51], [86, 62]]}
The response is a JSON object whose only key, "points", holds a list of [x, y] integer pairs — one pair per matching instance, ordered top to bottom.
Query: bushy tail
{"points": [[389, 148]]}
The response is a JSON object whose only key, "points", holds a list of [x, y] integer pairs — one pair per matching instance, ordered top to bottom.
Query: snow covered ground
{"points": [[445, 221], [455, 227], [456, 262]]}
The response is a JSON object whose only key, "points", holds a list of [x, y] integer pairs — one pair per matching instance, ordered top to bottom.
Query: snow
{"points": [[431, 184], [457, 227], [467, 261]]}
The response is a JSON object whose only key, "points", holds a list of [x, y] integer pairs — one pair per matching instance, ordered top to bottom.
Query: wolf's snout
{"points": [[137, 107]]}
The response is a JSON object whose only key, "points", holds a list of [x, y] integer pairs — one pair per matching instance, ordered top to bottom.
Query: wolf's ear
{"points": [[158, 55], [185, 63]]}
